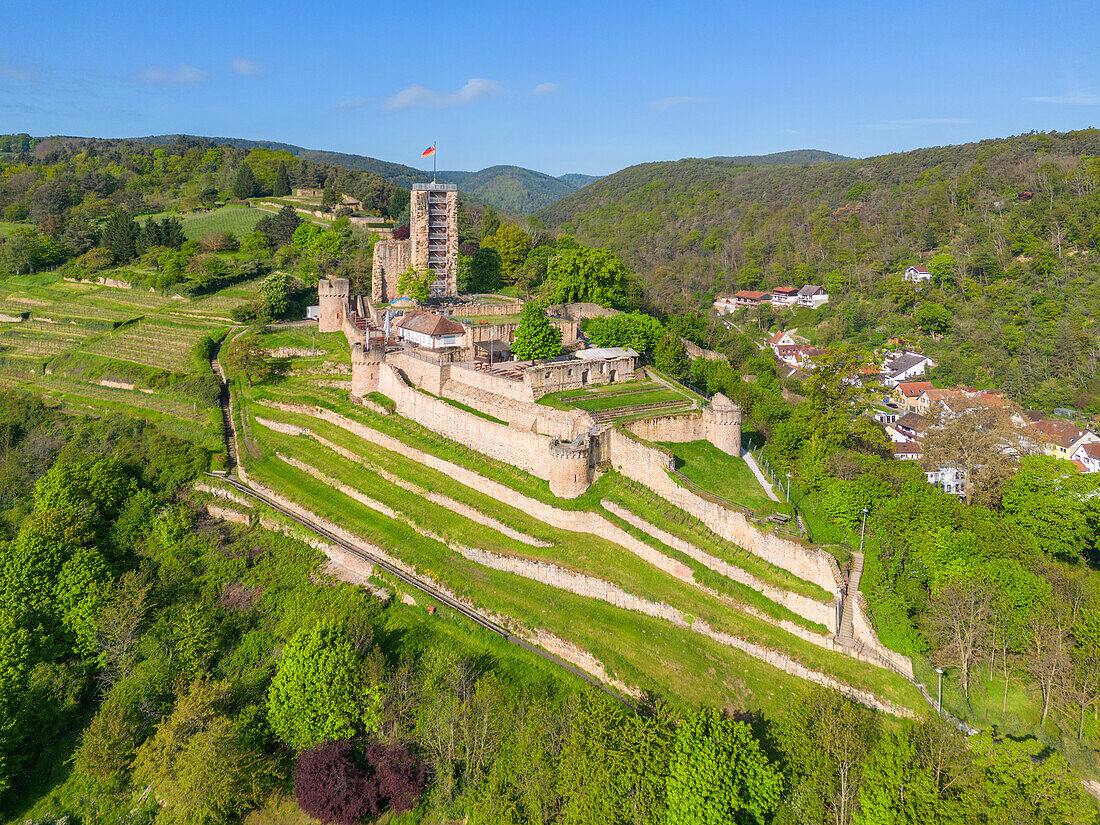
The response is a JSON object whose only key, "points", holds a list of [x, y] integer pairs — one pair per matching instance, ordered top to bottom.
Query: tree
{"points": [[282, 182], [244, 184], [281, 226], [120, 236], [513, 246], [944, 269], [480, 272], [591, 275], [416, 285], [275, 296], [933, 318], [634, 329], [536, 339], [671, 356], [245, 358], [835, 391], [974, 441], [1050, 500], [960, 621], [119, 624], [321, 690], [196, 764], [719, 774], [332, 785], [897, 789]]}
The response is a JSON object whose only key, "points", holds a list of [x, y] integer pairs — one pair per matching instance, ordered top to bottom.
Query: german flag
{"points": [[427, 153]]}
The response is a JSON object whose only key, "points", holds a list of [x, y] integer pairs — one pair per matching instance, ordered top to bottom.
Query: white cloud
{"points": [[242, 65], [183, 73], [547, 89], [421, 97], [1076, 98], [354, 103], [663, 104], [916, 122]]}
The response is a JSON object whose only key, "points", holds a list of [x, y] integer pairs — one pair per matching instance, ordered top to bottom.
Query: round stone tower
{"points": [[332, 295], [366, 361], [722, 420], [569, 467]]}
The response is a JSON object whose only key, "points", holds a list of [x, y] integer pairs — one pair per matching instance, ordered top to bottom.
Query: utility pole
{"points": [[939, 697]]}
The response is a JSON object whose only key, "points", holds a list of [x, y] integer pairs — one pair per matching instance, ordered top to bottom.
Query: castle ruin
{"points": [[432, 245]]}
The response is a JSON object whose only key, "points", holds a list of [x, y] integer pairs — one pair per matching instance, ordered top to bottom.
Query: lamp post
{"points": [[788, 488], [862, 529], [939, 697]]}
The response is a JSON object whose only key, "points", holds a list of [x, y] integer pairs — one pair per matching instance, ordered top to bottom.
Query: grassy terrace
{"points": [[78, 333], [722, 474], [585, 553], [624, 641]]}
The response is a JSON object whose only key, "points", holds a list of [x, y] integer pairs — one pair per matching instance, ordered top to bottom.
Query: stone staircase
{"points": [[846, 636]]}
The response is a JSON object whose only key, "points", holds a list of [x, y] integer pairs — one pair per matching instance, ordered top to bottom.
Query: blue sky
{"points": [[555, 86]]}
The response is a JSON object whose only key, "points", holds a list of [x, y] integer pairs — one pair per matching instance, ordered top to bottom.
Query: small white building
{"points": [[916, 274], [784, 296], [812, 296], [313, 313], [430, 331], [900, 368], [948, 479]]}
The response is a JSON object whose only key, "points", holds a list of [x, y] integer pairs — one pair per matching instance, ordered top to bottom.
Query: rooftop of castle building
{"points": [[428, 323]]}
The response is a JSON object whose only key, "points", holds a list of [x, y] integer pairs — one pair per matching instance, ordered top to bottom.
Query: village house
{"points": [[916, 274], [784, 296], [812, 296], [750, 298], [724, 306], [430, 331], [901, 367], [910, 394], [912, 426], [1061, 439], [907, 450], [1087, 457], [949, 479]]}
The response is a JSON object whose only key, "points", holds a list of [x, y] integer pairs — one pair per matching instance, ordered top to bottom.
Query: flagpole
{"points": [[433, 161]]}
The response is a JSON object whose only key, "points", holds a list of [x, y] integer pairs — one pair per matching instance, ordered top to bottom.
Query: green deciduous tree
{"points": [[512, 244], [591, 275], [416, 285], [275, 296], [933, 318], [633, 329], [536, 338], [671, 356], [1053, 502], [322, 690], [196, 764], [719, 774], [897, 789]]}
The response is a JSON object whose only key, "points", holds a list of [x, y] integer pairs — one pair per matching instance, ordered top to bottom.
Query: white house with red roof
{"points": [[916, 274], [751, 298], [1087, 456]]}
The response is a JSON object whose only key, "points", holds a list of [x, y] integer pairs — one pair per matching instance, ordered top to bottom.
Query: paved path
{"points": [[745, 454]]}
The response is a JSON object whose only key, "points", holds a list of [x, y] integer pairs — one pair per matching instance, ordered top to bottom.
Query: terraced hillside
{"points": [[98, 349], [618, 581]]}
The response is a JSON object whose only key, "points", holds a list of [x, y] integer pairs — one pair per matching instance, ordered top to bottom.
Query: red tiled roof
{"points": [[923, 270], [785, 290], [751, 295], [428, 323], [913, 389], [1062, 433], [1092, 450]]}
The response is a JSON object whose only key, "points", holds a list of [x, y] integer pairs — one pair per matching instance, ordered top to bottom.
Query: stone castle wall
{"points": [[391, 258], [332, 296], [483, 309], [538, 418], [674, 428], [525, 450], [648, 465]]}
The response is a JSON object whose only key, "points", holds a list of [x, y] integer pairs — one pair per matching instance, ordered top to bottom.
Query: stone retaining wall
{"points": [[479, 308], [488, 382], [538, 418], [525, 450], [648, 465], [225, 514], [823, 613]]}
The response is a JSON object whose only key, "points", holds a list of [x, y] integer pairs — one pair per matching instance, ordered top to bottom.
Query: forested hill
{"points": [[510, 189], [697, 225]]}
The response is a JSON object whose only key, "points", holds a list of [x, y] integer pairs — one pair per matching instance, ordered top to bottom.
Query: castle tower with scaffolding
{"points": [[432, 244]]}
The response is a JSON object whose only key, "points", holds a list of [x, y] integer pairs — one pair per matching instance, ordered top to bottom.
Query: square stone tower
{"points": [[433, 234]]}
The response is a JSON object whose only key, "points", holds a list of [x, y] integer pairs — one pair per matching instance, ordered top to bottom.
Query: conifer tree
{"points": [[282, 182], [244, 185], [328, 198]]}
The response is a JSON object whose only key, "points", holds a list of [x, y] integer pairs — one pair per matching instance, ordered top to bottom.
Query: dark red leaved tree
{"points": [[401, 778], [331, 785]]}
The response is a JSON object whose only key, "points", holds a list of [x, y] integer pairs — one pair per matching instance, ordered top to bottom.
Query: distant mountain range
{"points": [[511, 189]]}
